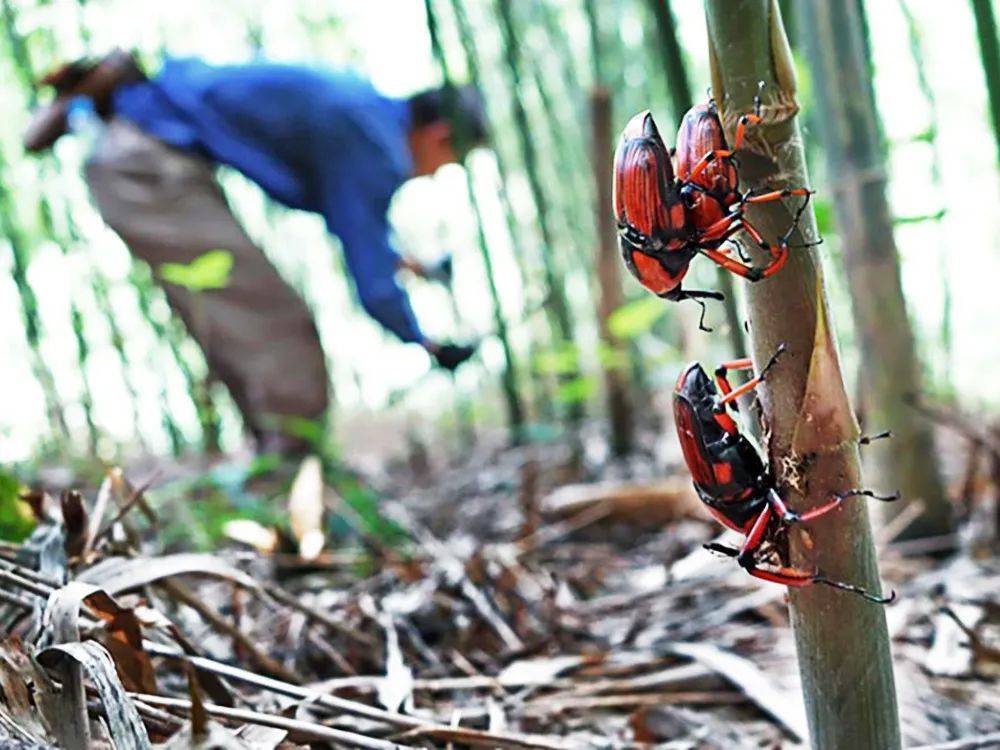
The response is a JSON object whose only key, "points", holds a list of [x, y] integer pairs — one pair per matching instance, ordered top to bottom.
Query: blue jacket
{"points": [[312, 139]]}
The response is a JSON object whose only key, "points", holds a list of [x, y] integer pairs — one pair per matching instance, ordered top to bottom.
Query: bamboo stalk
{"points": [[989, 49], [917, 52], [607, 262], [558, 306], [29, 311], [890, 369], [509, 379], [539, 394], [841, 639]]}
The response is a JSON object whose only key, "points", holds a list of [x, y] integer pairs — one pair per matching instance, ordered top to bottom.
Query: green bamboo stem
{"points": [[549, 20], [989, 49], [923, 81], [681, 100], [607, 258], [558, 306], [29, 311], [79, 337], [890, 370], [509, 378], [537, 390], [841, 639]]}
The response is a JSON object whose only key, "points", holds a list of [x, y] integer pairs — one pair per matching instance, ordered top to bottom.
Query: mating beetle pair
{"points": [[670, 210]]}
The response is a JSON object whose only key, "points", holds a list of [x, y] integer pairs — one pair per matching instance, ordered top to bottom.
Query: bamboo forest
{"points": [[475, 373]]}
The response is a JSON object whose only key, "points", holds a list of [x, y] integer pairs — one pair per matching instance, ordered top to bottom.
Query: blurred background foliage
{"points": [[94, 365]]}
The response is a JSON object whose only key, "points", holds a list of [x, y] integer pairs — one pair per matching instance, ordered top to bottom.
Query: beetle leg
{"points": [[749, 119], [706, 160], [776, 195], [779, 255], [721, 381], [734, 393], [837, 498], [781, 510], [755, 537], [797, 578]]}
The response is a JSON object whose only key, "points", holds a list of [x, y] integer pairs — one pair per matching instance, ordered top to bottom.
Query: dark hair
{"points": [[462, 106]]}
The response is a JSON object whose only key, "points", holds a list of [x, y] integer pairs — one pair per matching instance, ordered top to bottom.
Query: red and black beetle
{"points": [[666, 216], [732, 479]]}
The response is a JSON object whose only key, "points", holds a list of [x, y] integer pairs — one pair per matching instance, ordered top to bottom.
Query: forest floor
{"points": [[504, 599]]}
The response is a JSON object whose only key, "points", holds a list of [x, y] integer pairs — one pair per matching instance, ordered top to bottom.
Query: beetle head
{"points": [[654, 273]]}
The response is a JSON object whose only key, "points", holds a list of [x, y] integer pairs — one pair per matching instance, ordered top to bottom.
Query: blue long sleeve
{"points": [[312, 139], [364, 233]]}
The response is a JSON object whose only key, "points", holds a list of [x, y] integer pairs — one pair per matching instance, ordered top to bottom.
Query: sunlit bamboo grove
{"points": [[96, 364]]}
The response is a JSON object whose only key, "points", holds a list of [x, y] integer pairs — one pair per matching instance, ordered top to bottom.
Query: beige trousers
{"points": [[257, 334]]}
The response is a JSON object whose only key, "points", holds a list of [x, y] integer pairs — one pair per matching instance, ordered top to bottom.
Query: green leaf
{"points": [[936, 216], [824, 218], [208, 271], [635, 318], [612, 358], [561, 360], [577, 390], [16, 520]]}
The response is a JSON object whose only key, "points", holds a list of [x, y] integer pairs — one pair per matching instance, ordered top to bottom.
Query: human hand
{"points": [[449, 356]]}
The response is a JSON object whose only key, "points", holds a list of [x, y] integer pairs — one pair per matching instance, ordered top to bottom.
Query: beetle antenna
{"points": [[869, 439], [868, 493], [722, 549], [856, 590]]}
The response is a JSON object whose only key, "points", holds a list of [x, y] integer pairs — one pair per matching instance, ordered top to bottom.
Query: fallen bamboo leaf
{"points": [[646, 504], [100, 506], [305, 508], [253, 534], [118, 574], [122, 634], [950, 653], [527, 672], [396, 687], [787, 708], [24, 718], [126, 728], [304, 729], [200, 732], [260, 737], [981, 742]]}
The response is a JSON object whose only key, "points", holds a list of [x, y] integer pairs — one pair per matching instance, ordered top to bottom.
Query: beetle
{"points": [[667, 215], [732, 479]]}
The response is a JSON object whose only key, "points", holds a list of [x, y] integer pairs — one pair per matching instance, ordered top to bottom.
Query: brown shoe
{"points": [[95, 80]]}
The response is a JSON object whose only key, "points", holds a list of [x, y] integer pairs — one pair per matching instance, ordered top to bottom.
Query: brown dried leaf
{"points": [[649, 504], [74, 515], [122, 635], [14, 678], [126, 728]]}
